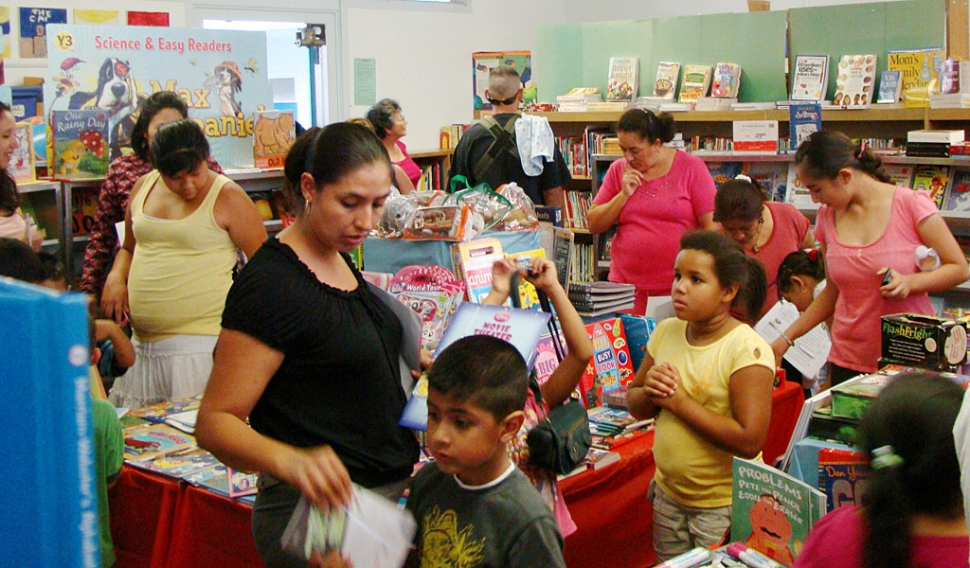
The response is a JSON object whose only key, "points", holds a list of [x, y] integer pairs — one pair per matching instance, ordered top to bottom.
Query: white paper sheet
{"points": [[810, 351]]}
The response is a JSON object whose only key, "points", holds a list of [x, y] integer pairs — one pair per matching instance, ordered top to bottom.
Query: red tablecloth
{"points": [[157, 522]]}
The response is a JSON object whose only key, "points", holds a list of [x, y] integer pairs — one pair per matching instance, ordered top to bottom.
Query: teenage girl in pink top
{"points": [[868, 230]]}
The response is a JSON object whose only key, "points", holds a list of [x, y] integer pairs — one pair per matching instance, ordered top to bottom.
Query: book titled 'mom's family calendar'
{"points": [[50, 516]]}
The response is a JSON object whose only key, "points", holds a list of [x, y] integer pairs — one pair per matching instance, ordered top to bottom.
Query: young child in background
{"points": [[801, 277], [707, 378], [559, 386], [472, 502], [912, 507]]}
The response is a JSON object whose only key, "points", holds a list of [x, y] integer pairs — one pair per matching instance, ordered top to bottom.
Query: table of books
{"points": [[162, 522]]}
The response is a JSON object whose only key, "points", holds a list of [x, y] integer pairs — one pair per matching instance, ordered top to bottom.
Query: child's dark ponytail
{"points": [[800, 263], [732, 266], [756, 291]]}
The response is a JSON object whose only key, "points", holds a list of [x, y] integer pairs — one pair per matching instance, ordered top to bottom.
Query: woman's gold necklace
{"points": [[761, 226]]}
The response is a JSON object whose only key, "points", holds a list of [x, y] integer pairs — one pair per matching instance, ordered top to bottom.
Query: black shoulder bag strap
{"points": [[503, 140]]}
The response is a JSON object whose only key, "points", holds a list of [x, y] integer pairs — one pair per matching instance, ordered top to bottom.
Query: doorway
{"points": [[302, 79]]}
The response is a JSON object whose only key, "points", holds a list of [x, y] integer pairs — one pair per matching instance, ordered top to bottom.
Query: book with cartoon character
{"points": [[273, 133], [79, 139], [958, 194], [611, 366], [772, 511]]}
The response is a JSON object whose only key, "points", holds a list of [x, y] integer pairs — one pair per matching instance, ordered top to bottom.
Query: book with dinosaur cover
{"points": [[772, 511]]}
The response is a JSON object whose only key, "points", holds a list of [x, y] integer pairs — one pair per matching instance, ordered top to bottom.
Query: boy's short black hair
{"points": [[19, 261], [53, 267], [484, 370]]}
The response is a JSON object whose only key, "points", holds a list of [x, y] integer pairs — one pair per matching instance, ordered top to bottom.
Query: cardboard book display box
{"points": [[924, 341]]}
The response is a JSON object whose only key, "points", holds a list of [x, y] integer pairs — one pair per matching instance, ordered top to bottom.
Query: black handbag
{"points": [[560, 441]]}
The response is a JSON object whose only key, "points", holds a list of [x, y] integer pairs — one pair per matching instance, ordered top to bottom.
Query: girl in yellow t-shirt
{"points": [[707, 378]]}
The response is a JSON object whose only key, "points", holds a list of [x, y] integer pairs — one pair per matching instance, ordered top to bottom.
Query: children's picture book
{"points": [[33, 29], [919, 73], [811, 78], [726, 82], [855, 82], [696, 83], [621, 86], [665, 86], [890, 86], [803, 119], [273, 133], [80, 143], [21, 167], [723, 171], [899, 174], [771, 176], [932, 179], [797, 194], [958, 194], [473, 262], [432, 292], [528, 295], [521, 328], [546, 358], [610, 366], [159, 412], [184, 421], [152, 440], [179, 464], [842, 476], [213, 478], [241, 483], [772, 511]]}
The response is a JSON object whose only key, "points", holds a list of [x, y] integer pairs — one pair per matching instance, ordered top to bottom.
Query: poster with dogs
{"points": [[221, 75]]}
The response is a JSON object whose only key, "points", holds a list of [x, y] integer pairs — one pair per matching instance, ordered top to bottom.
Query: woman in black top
{"points": [[312, 355]]}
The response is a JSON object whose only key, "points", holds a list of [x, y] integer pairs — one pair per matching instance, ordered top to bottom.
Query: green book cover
{"points": [[772, 511]]}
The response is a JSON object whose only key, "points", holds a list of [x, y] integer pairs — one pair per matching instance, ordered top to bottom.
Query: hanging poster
{"points": [[102, 17], [159, 19], [33, 26], [5, 29], [485, 61], [221, 75]]}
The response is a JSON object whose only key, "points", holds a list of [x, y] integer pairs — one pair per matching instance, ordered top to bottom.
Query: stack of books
{"points": [[577, 99], [715, 103], [932, 143], [597, 298]]}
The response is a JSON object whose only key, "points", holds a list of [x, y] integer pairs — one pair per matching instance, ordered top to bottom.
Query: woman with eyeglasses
{"points": [[653, 194], [767, 230]]}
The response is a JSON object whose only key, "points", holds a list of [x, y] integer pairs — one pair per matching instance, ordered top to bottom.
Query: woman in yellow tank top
{"points": [[171, 276]]}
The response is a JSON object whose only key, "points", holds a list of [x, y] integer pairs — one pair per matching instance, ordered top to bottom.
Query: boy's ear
{"points": [[95, 356], [511, 425]]}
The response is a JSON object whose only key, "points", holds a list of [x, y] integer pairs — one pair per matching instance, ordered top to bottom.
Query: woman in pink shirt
{"points": [[390, 126], [653, 195], [868, 230], [768, 231]]}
